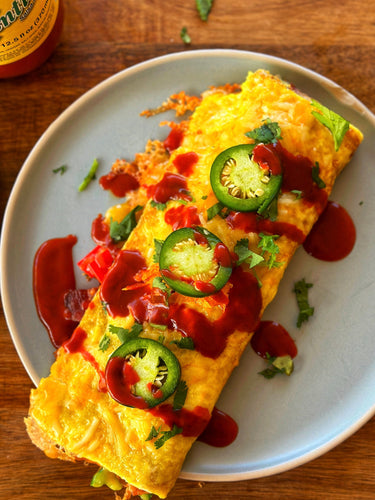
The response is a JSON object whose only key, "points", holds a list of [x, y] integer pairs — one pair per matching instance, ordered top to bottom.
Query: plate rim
{"points": [[342, 95]]}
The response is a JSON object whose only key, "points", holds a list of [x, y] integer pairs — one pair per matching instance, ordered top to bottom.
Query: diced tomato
{"points": [[96, 263]]}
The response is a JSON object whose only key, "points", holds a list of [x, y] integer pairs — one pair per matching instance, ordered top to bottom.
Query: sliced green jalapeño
{"points": [[247, 177], [194, 262], [142, 373]]}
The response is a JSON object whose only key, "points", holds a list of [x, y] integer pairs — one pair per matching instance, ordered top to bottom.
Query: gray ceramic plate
{"points": [[283, 422]]}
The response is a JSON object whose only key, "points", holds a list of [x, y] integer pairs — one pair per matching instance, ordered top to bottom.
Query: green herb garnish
{"points": [[204, 7], [185, 37], [335, 123], [269, 132], [61, 170], [90, 176], [315, 176], [298, 193], [157, 205], [215, 210], [120, 231], [158, 244], [267, 244], [246, 255], [301, 289], [124, 334], [104, 342], [184, 343], [276, 365], [180, 396], [154, 433], [167, 435]]}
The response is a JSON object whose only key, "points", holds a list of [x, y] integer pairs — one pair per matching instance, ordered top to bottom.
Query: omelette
{"points": [[220, 208]]}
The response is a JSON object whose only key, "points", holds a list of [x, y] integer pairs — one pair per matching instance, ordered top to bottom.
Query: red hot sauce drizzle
{"points": [[174, 139], [185, 163], [297, 175], [119, 184], [171, 187], [182, 216], [333, 235], [53, 277], [242, 313], [271, 338], [75, 345], [221, 430]]}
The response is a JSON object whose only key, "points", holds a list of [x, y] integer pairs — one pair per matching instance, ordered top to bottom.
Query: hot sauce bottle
{"points": [[29, 33]]}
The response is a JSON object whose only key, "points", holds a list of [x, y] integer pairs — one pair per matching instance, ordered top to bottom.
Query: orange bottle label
{"points": [[24, 26]]}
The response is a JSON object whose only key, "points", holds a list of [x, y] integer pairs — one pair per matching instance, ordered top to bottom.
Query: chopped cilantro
{"points": [[204, 8], [185, 37], [335, 123], [267, 133], [60, 170], [90, 176], [315, 176], [298, 193], [204, 197], [158, 206], [215, 210], [271, 211], [120, 231], [158, 244], [267, 244], [246, 255], [158, 282], [301, 289], [124, 334], [104, 342], [184, 343], [280, 364], [180, 395], [154, 433], [167, 435], [162, 436]]}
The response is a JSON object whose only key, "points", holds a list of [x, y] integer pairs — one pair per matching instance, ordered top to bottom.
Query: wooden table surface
{"points": [[336, 39]]}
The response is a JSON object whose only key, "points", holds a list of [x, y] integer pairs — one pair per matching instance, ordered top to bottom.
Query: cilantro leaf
{"points": [[204, 8], [185, 37], [335, 123], [269, 132], [60, 170], [90, 176], [315, 176], [298, 193], [157, 205], [215, 210], [271, 211], [120, 231], [158, 244], [267, 244], [246, 255], [158, 282], [305, 311], [124, 334], [104, 342], [184, 343], [276, 365], [180, 396], [154, 433], [167, 435]]}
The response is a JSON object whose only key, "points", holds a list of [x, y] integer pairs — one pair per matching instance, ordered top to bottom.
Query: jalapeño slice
{"points": [[247, 177], [194, 262], [142, 373]]}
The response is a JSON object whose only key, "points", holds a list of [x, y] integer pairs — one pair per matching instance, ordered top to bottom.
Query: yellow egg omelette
{"points": [[220, 210]]}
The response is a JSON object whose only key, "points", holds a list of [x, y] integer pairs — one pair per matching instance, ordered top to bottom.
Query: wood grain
{"points": [[100, 39]]}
